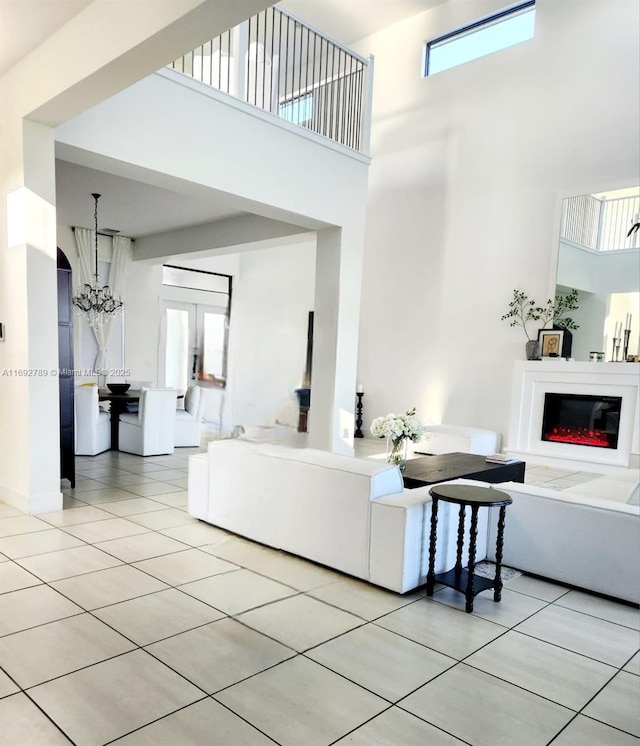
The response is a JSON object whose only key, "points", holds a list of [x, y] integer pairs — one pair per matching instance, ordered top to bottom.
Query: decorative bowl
{"points": [[118, 388]]}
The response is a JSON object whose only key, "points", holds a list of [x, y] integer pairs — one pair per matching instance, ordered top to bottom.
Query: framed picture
{"points": [[551, 342]]}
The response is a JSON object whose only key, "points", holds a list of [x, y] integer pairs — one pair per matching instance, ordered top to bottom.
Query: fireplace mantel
{"points": [[533, 379]]}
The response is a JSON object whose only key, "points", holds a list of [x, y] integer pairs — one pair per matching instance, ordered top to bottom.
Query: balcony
{"points": [[283, 66]]}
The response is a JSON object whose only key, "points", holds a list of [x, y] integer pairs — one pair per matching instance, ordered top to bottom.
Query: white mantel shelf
{"points": [[533, 378]]}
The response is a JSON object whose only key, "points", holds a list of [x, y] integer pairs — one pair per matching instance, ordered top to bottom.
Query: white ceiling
{"points": [[24, 24], [129, 206], [133, 207]]}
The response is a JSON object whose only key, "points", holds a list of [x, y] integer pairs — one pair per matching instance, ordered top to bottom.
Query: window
{"points": [[492, 34], [298, 110]]}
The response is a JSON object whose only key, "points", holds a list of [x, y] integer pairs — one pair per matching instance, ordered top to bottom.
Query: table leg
{"points": [[117, 408], [473, 532], [460, 540], [431, 575], [497, 593]]}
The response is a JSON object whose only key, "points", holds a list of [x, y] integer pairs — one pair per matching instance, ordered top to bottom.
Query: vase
{"points": [[532, 349], [397, 451]]}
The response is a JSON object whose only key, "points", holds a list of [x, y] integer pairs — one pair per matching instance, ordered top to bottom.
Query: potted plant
{"points": [[522, 310]]}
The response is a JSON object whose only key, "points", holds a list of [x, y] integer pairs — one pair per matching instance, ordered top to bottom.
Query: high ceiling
{"points": [[348, 21], [25, 24], [133, 207]]}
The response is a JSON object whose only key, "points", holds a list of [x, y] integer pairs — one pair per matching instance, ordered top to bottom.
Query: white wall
{"points": [[468, 174], [273, 291], [272, 296]]}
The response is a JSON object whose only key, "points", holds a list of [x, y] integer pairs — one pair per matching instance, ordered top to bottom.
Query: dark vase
{"points": [[532, 349]]}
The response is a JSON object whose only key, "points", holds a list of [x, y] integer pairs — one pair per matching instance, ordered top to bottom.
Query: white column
{"points": [[238, 63], [335, 338], [29, 400]]}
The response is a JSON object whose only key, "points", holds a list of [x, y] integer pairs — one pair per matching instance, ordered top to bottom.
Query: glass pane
{"points": [[478, 42], [298, 110], [196, 280], [213, 346], [177, 349]]}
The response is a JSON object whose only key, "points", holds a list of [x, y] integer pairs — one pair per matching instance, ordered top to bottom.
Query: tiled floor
{"points": [[123, 620]]}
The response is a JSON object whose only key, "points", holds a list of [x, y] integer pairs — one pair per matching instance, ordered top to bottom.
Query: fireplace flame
{"points": [[582, 436]]}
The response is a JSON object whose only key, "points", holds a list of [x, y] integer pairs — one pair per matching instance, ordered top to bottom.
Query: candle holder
{"points": [[625, 344], [615, 350], [358, 433]]}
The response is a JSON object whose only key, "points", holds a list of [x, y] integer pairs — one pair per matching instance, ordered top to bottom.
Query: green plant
{"points": [[562, 305], [522, 310]]}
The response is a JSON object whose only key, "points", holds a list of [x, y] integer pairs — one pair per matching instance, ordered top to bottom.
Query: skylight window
{"points": [[484, 37]]}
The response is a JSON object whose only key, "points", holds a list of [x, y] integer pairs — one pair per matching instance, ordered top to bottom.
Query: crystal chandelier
{"points": [[95, 302]]}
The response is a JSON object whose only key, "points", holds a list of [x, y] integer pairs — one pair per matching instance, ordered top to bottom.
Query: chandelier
{"points": [[95, 302]]}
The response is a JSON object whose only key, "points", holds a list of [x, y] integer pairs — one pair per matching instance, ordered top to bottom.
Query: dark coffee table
{"points": [[433, 469]]}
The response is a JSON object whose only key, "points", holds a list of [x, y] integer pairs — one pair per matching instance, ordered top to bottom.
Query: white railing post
{"points": [[240, 42], [366, 108], [603, 204]]}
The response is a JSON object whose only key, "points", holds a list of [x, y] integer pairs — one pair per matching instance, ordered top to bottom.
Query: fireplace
{"points": [[575, 415], [581, 420]]}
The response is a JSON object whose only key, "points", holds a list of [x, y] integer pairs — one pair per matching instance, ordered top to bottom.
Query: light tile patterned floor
{"points": [[125, 621]]}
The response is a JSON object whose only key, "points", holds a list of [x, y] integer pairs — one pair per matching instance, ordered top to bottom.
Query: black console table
{"points": [[459, 578]]}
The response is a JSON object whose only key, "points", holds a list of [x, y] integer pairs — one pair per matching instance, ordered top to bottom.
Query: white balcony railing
{"points": [[282, 65], [601, 224]]}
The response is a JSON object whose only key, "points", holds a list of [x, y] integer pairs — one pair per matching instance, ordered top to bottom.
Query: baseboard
{"points": [[31, 504]]}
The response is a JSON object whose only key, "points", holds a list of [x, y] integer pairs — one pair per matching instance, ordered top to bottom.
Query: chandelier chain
{"points": [[94, 302]]}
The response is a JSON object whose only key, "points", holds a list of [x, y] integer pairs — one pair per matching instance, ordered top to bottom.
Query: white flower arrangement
{"points": [[397, 427]]}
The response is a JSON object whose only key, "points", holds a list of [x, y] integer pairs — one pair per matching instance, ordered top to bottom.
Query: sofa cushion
{"points": [[192, 400], [616, 487], [566, 496]]}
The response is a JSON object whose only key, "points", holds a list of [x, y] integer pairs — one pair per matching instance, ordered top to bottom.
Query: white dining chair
{"points": [[134, 386], [189, 420], [92, 425], [151, 430]]}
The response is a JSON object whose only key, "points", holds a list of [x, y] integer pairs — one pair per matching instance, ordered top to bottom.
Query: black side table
{"points": [[461, 579]]}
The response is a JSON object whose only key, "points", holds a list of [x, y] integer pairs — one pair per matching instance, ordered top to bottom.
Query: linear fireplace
{"points": [[572, 414], [581, 420]]}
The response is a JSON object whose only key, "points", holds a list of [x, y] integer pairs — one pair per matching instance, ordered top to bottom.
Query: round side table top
{"points": [[468, 494]]}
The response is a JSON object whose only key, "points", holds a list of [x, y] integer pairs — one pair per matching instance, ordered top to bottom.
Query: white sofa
{"points": [[457, 439], [349, 514], [587, 535]]}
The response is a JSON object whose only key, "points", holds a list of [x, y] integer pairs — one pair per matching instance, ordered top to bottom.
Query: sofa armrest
{"points": [[198, 485], [406, 498], [400, 527]]}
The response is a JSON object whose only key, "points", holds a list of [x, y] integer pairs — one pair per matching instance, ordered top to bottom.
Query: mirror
{"points": [[599, 255]]}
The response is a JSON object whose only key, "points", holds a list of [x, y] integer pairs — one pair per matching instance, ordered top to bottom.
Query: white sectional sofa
{"points": [[349, 514], [587, 535]]}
